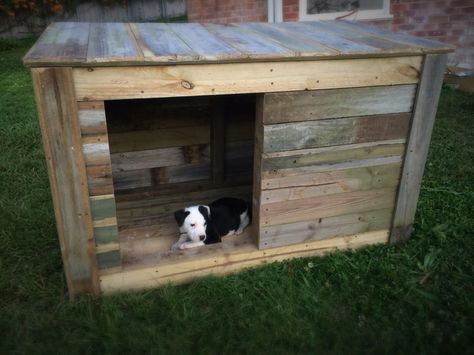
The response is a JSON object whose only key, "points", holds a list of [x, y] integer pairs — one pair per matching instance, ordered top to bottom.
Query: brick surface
{"points": [[226, 11]]}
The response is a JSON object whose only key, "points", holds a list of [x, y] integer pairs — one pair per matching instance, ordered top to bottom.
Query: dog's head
{"points": [[193, 221]]}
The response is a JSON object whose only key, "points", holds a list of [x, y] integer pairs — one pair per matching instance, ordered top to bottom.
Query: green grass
{"points": [[415, 298]]}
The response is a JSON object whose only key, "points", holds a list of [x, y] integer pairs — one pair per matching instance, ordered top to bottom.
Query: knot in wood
{"points": [[187, 85]]}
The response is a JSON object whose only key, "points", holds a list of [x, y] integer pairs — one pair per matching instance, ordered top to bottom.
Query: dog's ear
{"points": [[205, 211], [180, 216]]}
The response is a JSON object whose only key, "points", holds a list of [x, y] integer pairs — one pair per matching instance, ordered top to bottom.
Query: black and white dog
{"points": [[201, 225]]}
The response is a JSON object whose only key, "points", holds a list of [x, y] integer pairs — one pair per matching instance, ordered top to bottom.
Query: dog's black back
{"points": [[225, 217]]}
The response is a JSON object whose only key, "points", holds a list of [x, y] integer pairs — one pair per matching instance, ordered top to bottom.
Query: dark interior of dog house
{"points": [[171, 153]]}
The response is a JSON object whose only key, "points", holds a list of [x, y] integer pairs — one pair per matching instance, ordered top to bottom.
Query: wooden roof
{"points": [[94, 44]]}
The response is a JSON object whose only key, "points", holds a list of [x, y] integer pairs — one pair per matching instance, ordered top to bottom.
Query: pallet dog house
{"points": [[324, 126]]}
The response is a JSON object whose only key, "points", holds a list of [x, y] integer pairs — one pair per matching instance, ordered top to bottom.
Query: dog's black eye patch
{"points": [[204, 212], [180, 216]]}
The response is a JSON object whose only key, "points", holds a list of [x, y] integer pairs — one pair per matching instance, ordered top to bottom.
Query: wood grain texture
{"points": [[274, 32], [333, 41], [61, 42], [159, 43], [110, 44], [206, 44], [253, 45], [385, 45], [424, 45], [213, 79], [338, 103], [92, 118], [323, 133], [417, 146], [332, 155], [153, 158], [257, 167], [66, 168], [327, 176], [356, 179], [326, 206], [324, 228], [225, 258]]}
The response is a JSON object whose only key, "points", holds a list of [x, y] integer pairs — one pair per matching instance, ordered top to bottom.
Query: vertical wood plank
{"points": [[61, 134], [218, 140], [417, 147], [257, 168]]}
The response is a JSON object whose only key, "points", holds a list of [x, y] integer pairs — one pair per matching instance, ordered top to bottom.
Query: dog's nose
{"points": [[202, 237]]}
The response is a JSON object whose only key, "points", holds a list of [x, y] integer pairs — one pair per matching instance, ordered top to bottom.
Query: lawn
{"points": [[414, 298]]}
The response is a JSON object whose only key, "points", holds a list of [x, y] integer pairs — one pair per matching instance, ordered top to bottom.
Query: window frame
{"points": [[383, 13]]}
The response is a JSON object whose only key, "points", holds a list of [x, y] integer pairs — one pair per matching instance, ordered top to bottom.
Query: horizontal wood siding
{"points": [[217, 79], [95, 146], [329, 169]]}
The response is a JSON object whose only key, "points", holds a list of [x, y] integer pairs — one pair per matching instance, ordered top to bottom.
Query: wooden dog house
{"points": [[325, 126]]}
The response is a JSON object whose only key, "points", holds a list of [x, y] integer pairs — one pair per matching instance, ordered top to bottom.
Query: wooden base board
{"points": [[233, 254]]}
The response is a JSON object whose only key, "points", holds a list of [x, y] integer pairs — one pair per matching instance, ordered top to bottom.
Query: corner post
{"points": [[424, 113], [60, 129]]}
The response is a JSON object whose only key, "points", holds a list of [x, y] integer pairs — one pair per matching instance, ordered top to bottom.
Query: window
{"points": [[350, 9]]}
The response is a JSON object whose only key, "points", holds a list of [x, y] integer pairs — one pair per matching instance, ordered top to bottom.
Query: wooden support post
{"points": [[218, 123], [60, 129], [418, 144], [257, 168]]}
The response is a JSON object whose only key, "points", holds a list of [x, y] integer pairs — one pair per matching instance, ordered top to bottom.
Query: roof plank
{"points": [[329, 27], [286, 39], [333, 41], [61, 42], [111, 42], [203, 42], [159, 43], [249, 43], [426, 44]]}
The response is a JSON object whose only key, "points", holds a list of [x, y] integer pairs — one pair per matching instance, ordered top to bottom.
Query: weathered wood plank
{"points": [[285, 39], [61, 42], [111, 42], [335, 42], [159, 43], [204, 43], [249, 43], [383, 44], [426, 45], [213, 79], [337, 103], [92, 118], [323, 133], [164, 138], [218, 146], [417, 146], [96, 154], [333, 155], [153, 158], [257, 167], [66, 169], [306, 172], [357, 179], [99, 180], [124, 180], [326, 206], [102, 207], [324, 228], [106, 235], [224, 258], [109, 259]]}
